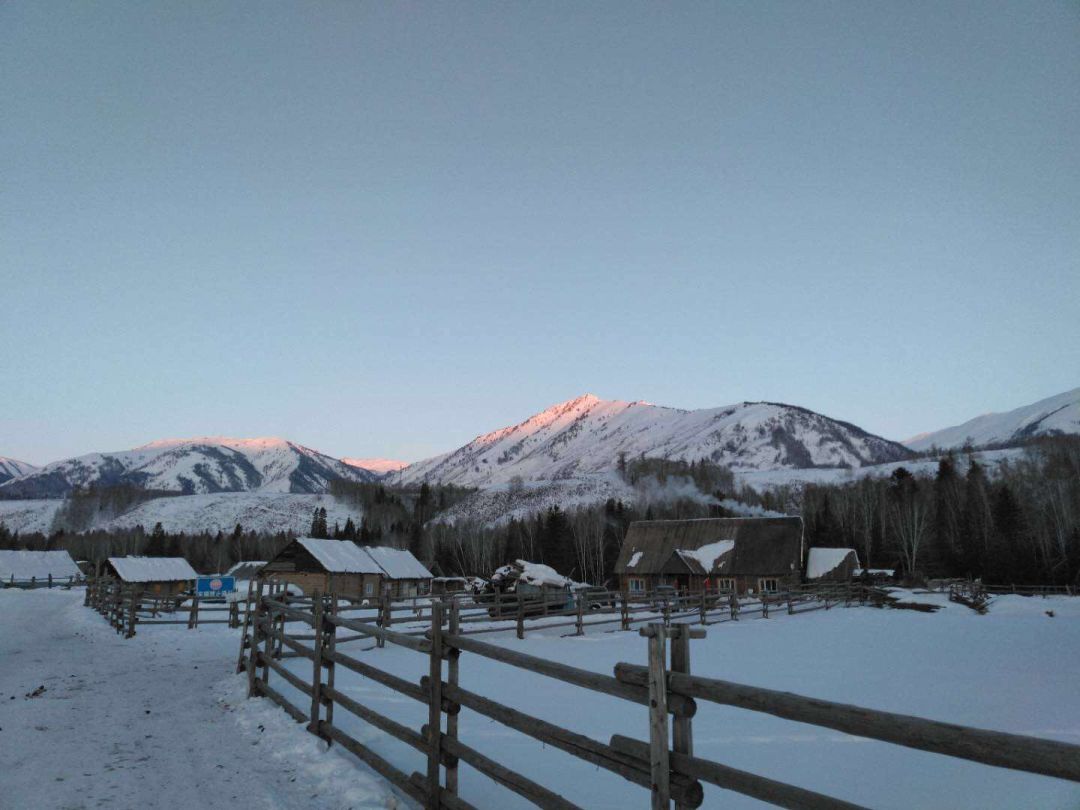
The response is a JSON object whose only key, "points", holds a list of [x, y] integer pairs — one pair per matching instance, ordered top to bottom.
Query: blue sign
{"points": [[215, 586]]}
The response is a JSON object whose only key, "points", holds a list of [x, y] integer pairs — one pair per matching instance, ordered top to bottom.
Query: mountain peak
{"points": [[260, 443]]}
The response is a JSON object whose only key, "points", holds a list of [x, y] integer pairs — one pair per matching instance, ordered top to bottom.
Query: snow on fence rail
{"points": [[125, 605], [664, 765]]}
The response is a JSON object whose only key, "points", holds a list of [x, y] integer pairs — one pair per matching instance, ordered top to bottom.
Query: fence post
{"points": [[50, 580], [625, 603], [764, 605], [733, 606], [703, 609], [667, 611], [384, 613], [193, 614], [131, 615], [520, 617], [247, 625], [580, 628], [256, 636], [331, 645], [316, 663], [452, 667], [434, 724], [682, 733], [659, 765]]}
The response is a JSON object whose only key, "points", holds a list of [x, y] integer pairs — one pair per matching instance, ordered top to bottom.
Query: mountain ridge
{"points": [[1055, 415], [586, 434], [203, 465]]}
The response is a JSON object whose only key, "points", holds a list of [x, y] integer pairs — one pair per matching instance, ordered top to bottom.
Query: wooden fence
{"points": [[42, 582], [126, 605], [665, 764]]}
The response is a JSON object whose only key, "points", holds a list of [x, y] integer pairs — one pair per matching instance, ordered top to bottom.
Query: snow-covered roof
{"points": [[708, 554], [340, 556], [635, 558], [820, 561], [398, 563], [37, 565], [246, 568], [152, 569]]}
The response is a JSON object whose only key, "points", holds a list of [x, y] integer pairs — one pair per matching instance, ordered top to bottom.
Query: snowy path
{"points": [[147, 722]]}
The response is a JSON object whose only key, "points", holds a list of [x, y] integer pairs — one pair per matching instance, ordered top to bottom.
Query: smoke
{"points": [[649, 490]]}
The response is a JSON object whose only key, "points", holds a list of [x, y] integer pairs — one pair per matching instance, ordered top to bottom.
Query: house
{"points": [[745, 555], [831, 564], [343, 567], [28, 568], [403, 574], [158, 576], [449, 585]]}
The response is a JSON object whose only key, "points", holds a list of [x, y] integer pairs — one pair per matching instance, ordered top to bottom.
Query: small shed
{"points": [[737, 554], [831, 564], [329, 566], [29, 568], [403, 574], [160, 576], [449, 585]]}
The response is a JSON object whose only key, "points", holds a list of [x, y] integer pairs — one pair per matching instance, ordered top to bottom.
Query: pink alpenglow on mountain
{"points": [[377, 465]]}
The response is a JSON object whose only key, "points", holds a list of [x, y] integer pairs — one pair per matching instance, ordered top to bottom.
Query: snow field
{"points": [[1013, 670]]}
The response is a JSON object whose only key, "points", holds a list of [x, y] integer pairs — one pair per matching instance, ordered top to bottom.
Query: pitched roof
{"points": [[736, 546], [340, 556], [398, 563], [36, 565], [152, 569], [246, 569]]}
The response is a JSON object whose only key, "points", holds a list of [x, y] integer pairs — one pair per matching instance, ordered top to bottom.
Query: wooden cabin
{"points": [[745, 555], [831, 564], [328, 566], [343, 567], [29, 568], [248, 569], [403, 574], [158, 576], [449, 585]]}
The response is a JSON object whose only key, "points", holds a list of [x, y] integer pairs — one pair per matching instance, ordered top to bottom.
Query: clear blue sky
{"points": [[383, 228]]}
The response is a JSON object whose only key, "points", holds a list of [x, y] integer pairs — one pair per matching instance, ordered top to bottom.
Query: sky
{"points": [[380, 229]]}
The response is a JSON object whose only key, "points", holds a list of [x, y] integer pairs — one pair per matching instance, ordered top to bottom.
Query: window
{"points": [[725, 584], [637, 585], [768, 585], [369, 589]]}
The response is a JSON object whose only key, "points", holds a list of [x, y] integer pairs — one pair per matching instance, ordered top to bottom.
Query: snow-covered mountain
{"points": [[1047, 417], [585, 436], [192, 466], [379, 466], [11, 468]]}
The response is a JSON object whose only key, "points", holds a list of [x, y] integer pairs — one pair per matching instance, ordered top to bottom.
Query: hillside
{"points": [[1047, 417], [586, 435], [192, 466], [379, 466], [12, 468]]}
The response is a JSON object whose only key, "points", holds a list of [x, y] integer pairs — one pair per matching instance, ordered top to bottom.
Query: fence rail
{"points": [[48, 581], [665, 764]]}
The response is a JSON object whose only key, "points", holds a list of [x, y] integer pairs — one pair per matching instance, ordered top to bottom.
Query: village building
{"points": [[744, 555], [831, 564], [343, 567], [31, 568], [248, 569], [403, 574], [157, 576]]}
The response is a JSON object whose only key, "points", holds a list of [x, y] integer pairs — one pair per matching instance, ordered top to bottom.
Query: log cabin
{"points": [[744, 555], [343, 567], [157, 576]]}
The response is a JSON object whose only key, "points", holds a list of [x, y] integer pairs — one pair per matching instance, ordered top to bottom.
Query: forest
{"points": [[1019, 526]]}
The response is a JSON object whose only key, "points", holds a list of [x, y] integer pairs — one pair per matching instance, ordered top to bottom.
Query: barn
{"points": [[746, 555], [831, 564], [343, 567], [29, 569], [158, 576]]}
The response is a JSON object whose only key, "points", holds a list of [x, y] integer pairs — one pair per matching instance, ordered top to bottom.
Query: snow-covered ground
{"points": [[157, 721], [88, 738]]}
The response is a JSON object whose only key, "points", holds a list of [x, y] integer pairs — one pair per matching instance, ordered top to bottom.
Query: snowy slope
{"points": [[1047, 417], [586, 435], [203, 465], [379, 466], [11, 468]]}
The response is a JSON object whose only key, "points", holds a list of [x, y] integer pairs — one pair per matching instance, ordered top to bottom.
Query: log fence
{"points": [[49, 581], [665, 764]]}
